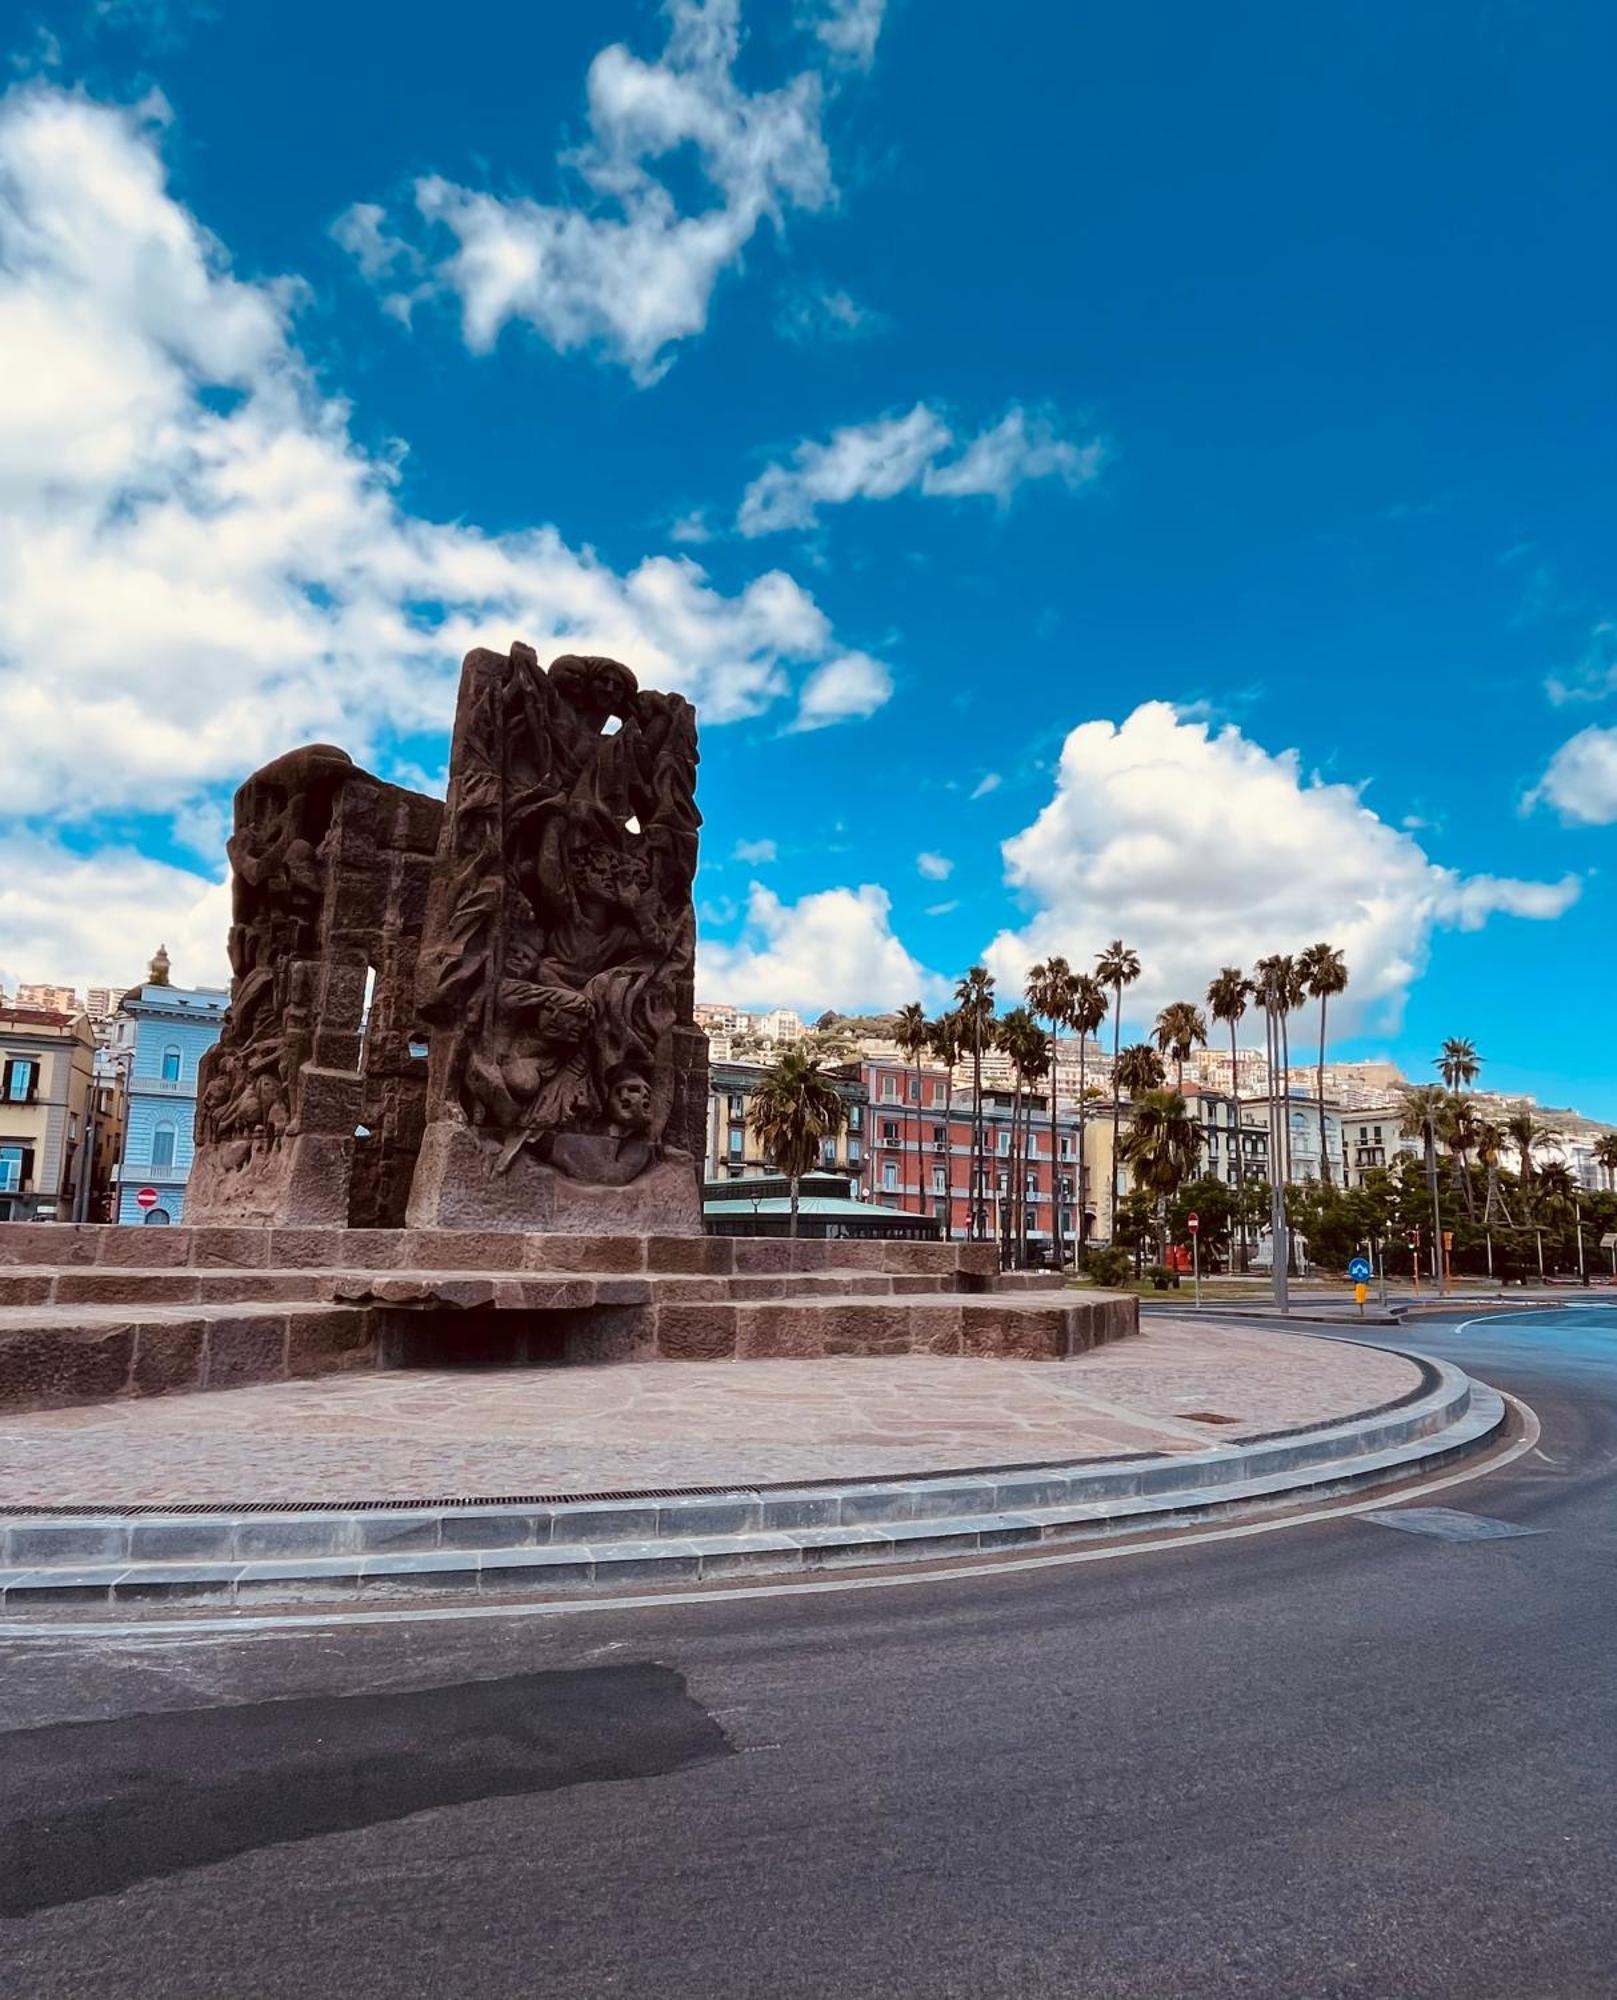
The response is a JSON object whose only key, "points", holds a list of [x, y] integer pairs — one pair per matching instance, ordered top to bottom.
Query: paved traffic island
{"points": [[530, 1483]]}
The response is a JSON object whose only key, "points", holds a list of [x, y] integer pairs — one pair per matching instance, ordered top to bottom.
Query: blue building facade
{"points": [[159, 1034]]}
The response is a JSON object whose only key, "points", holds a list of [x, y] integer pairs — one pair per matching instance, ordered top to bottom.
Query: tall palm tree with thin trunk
{"points": [[1117, 966], [1325, 974], [1051, 989], [1293, 993], [974, 1001], [1226, 1001], [1085, 1016], [1181, 1027], [913, 1035], [945, 1042], [1028, 1047], [1139, 1069], [794, 1106], [1423, 1118], [1527, 1135], [1162, 1149], [1605, 1152]]}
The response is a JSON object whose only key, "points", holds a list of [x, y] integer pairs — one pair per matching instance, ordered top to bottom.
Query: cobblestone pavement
{"points": [[439, 1433]]}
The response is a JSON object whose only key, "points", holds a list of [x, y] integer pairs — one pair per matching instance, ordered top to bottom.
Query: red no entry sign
{"points": [[146, 1198], [1193, 1222]]}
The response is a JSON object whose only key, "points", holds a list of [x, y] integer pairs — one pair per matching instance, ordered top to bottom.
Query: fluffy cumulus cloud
{"points": [[850, 29], [625, 269], [918, 453], [199, 565], [843, 690], [1581, 781], [1203, 849], [935, 867], [84, 919], [834, 948]]}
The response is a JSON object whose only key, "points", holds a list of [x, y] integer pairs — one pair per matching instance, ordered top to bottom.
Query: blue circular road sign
{"points": [[1359, 1270]]}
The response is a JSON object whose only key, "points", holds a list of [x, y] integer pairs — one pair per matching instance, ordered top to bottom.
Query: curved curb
{"points": [[245, 1560]]}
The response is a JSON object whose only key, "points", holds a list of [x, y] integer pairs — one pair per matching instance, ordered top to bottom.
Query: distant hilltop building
{"points": [[49, 999]]}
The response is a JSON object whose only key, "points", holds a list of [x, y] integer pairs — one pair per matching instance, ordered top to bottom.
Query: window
{"points": [[171, 1063], [22, 1080], [889, 1089], [914, 1091], [738, 1104], [856, 1117], [889, 1131], [940, 1139], [738, 1140], [1004, 1144], [1066, 1147], [162, 1148], [828, 1152], [855, 1152], [11, 1170], [889, 1175], [937, 1180], [1004, 1183], [1032, 1187], [941, 1210], [156, 1218]]}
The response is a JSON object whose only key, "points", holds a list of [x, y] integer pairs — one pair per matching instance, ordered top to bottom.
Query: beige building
{"points": [[53, 999], [47, 1067]]}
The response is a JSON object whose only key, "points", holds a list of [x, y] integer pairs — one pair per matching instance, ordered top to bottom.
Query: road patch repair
{"points": [[546, 1482], [1449, 1524]]}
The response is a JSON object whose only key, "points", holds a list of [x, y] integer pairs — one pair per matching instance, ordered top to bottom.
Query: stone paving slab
{"points": [[437, 1433]]}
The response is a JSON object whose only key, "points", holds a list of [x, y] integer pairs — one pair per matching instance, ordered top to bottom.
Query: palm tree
{"points": [[1117, 966], [1325, 974], [1051, 989], [1293, 992], [974, 998], [1226, 1001], [1085, 1015], [1181, 1027], [913, 1036], [944, 1039], [1027, 1045], [1459, 1064], [1139, 1069], [794, 1106], [1423, 1115], [1461, 1129], [1526, 1133], [1489, 1145], [1162, 1149], [1605, 1153]]}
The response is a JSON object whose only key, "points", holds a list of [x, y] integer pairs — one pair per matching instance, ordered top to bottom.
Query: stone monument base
{"points": [[458, 1185]]}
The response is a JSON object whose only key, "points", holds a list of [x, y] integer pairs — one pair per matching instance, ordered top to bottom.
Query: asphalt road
{"points": [[1337, 1760]]}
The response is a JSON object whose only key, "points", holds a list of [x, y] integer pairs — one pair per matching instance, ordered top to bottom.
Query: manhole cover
{"points": [[1449, 1524]]}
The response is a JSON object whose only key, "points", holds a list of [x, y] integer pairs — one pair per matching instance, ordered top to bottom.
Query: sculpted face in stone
{"points": [[628, 1106]]}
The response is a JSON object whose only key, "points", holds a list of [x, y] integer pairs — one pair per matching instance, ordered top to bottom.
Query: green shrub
{"points": [[1108, 1266], [1161, 1277]]}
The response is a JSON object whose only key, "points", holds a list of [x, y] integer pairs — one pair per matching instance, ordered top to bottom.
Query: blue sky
{"points": [[1151, 463]]}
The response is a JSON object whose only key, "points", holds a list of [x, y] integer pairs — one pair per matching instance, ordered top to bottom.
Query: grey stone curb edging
{"points": [[242, 1560]]}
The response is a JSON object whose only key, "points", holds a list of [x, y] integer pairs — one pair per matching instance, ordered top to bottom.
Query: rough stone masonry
{"points": [[476, 1015]]}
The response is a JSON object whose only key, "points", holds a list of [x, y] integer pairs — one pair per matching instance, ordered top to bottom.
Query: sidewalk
{"points": [[415, 1433]]}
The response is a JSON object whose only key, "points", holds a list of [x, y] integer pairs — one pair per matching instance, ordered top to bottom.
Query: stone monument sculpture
{"points": [[556, 975], [475, 1015], [311, 1104]]}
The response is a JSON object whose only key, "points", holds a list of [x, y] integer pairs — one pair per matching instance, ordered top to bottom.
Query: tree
{"points": [[1117, 966], [1324, 972], [1051, 988], [1293, 992], [1226, 1001], [974, 1003], [1084, 1016], [1181, 1027], [914, 1038], [944, 1038], [1028, 1047], [1459, 1064], [1139, 1069], [794, 1106], [1423, 1116], [1460, 1129], [1526, 1134], [1162, 1149], [1605, 1152]]}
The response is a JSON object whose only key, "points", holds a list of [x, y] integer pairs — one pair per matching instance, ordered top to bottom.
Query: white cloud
{"points": [[850, 29], [626, 270], [810, 312], [911, 454], [198, 564], [1595, 675], [844, 689], [990, 781], [1581, 781], [1200, 848], [755, 852], [935, 867], [943, 909], [94, 920], [834, 948]]}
